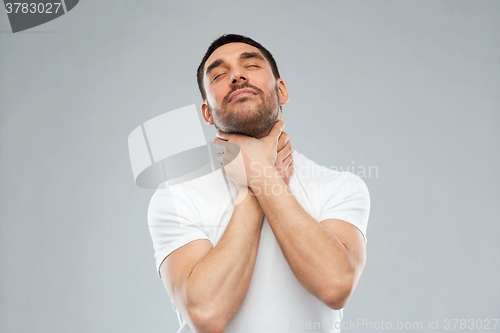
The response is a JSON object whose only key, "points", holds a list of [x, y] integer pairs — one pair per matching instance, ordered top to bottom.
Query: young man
{"points": [[288, 256]]}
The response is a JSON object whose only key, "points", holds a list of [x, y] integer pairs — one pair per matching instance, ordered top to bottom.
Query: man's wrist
{"points": [[268, 176], [247, 199]]}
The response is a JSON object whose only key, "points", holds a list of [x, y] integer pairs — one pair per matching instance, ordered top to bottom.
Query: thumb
{"points": [[277, 129]]}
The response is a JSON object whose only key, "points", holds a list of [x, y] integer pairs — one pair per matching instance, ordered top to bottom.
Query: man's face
{"points": [[242, 94]]}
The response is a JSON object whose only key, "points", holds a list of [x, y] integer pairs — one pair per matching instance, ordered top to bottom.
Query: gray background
{"points": [[411, 87]]}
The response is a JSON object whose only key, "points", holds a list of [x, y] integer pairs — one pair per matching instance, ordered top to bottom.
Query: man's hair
{"points": [[232, 38]]}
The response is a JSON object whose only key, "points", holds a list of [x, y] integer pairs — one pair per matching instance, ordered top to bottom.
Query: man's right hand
{"points": [[233, 161]]}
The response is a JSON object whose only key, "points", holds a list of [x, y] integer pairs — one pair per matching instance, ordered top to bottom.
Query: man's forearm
{"points": [[319, 260], [219, 282]]}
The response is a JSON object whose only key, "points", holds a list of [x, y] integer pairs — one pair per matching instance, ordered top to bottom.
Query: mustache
{"points": [[241, 86]]}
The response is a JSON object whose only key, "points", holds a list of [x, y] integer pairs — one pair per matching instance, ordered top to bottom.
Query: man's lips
{"points": [[241, 93]]}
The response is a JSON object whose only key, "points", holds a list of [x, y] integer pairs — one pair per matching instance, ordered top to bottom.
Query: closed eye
{"points": [[217, 76]]}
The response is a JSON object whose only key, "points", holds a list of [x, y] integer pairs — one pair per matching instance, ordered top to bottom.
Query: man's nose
{"points": [[238, 77]]}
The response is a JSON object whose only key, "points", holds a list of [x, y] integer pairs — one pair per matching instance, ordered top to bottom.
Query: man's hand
{"points": [[246, 158], [284, 158]]}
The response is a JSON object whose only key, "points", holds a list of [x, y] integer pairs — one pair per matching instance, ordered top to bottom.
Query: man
{"points": [[290, 253]]}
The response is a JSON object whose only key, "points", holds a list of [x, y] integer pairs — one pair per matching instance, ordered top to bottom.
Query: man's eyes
{"points": [[247, 66]]}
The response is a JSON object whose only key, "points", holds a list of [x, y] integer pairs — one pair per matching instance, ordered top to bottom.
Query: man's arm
{"points": [[327, 258], [208, 284]]}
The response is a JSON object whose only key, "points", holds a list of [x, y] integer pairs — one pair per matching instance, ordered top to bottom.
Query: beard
{"points": [[251, 119]]}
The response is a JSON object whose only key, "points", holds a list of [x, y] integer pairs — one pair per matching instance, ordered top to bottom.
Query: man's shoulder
{"points": [[308, 172], [190, 181], [201, 194]]}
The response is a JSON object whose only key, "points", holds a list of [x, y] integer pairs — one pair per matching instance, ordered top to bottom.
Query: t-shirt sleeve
{"points": [[346, 198], [171, 225]]}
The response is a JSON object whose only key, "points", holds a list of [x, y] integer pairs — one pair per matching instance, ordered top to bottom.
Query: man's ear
{"points": [[282, 92], [205, 114]]}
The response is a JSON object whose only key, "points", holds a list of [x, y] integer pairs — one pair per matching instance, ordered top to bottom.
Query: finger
{"points": [[277, 129], [223, 136], [282, 140], [220, 144], [227, 147], [232, 148], [285, 152], [282, 154], [219, 157], [288, 161], [283, 165], [290, 169], [288, 174]]}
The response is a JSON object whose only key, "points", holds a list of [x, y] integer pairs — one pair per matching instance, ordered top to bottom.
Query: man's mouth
{"points": [[241, 93]]}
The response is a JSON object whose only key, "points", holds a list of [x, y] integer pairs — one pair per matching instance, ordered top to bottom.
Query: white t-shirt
{"points": [[275, 301]]}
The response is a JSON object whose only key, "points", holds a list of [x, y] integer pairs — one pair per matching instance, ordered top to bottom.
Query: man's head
{"points": [[241, 87]]}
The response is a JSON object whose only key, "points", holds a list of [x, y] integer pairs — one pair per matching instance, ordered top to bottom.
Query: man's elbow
{"points": [[337, 297], [206, 321]]}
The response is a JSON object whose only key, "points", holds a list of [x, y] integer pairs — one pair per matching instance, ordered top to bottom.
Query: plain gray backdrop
{"points": [[409, 87]]}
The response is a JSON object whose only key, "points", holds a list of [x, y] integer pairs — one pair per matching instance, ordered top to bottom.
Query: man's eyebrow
{"points": [[248, 55], [216, 63]]}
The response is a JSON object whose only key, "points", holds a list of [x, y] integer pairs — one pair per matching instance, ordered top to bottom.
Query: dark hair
{"points": [[232, 38]]}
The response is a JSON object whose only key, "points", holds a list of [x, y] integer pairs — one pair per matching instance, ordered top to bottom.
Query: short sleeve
{"points": [[346, 198], [171, 225]]}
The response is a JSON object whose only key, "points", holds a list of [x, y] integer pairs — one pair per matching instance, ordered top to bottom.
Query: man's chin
{"points": [[247, 118], [254, 131]]}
